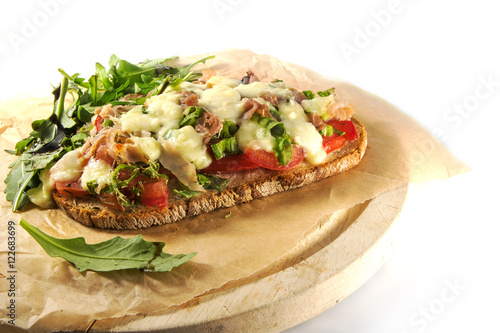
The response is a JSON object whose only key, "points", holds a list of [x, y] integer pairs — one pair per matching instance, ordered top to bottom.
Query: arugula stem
{"points": [[164, 85], [60, 102]]}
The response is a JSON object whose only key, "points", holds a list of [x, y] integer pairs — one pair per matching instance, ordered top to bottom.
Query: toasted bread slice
{"points": [[242, 187]]}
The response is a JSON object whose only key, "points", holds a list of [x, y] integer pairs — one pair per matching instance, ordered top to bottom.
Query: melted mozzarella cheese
{"points": [[215, 80], [197, 88], [257, 89], [223, 101], [318, 104], [163, 113], [302, 131], [252, 135], [190, 144], [149, 146], [173, 160], [68, 168], [98, 171], [42, 195]]}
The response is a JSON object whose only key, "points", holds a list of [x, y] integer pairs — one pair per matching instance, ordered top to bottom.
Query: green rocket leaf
{"points": [[114, 254]]}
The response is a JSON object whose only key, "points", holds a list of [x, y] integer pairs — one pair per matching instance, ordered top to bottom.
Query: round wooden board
{"points": [[327, 270]]}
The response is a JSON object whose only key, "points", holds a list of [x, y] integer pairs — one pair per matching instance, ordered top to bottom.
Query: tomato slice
{"points": [[345, 126], [333, 142], [268, 160], [230, 163], [71, 188], [155, 194]]}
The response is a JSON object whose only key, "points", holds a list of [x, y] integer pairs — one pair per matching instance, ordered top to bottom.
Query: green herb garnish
{"points": [[327, 92], [309, 94], [274, 112], [192, 114], [229, 129], [225, 147], [283, 149], [209, 182], [212, 182], [126, 194]]}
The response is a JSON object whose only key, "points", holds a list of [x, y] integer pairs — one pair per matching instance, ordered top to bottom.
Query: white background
{"points": [[436, 60]]}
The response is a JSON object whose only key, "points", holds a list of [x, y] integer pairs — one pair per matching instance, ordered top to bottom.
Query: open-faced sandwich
{"points": [[149, 144]]}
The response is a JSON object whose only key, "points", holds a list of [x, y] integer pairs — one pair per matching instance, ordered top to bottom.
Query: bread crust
{"points": [[242, 187]]}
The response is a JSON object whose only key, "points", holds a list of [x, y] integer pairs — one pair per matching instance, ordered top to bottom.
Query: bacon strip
{"points": [[249, 78], [299, 96], [130, 97], [188, 98], [273, 99], [251, 106], [108, 111], [316, 120], [208, 125], [116, 144]]}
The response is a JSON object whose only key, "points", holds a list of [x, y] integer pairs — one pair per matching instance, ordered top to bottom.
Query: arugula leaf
{"points": [[129, 72], [185, 74], [327, 92], [308, 93], [94, 94], [274, 112], [192, 114], [229, 129], [327, 131], [21, 145], [43, 146], [227, 146], [283, 149], [34, 162], [18, 181], [209, 182], [212, 182], [186, 192], [111, 255]]}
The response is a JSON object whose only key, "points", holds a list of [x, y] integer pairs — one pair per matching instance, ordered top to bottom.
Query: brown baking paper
{"points": [[51, 295]]}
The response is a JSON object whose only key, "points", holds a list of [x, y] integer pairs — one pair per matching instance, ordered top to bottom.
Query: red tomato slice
{"points": [[345, 126], [333, 142], [269, 161], [230, 163], [72, 188], [155, 194]]}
